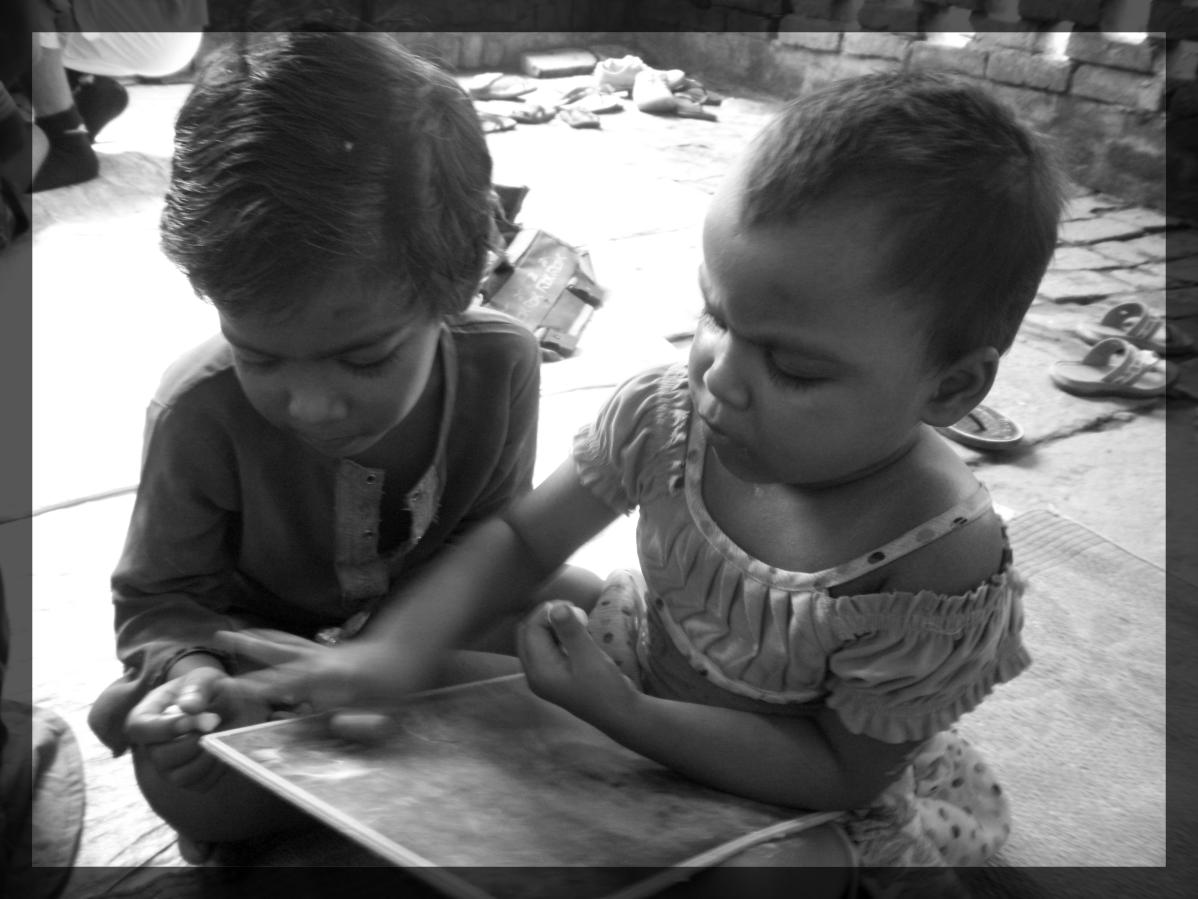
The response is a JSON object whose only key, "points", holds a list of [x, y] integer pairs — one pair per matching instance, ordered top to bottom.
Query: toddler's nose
{"points": [[723, 377]]}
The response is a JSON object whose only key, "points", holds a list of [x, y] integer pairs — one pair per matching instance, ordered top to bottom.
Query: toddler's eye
{"points": [[711, 320], [788, 378]]}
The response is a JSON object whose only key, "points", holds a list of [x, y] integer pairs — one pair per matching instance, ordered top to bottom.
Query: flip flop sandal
{"points": [[618, 74], [498, 86], [694, 89], [651, 93], [600, 104], [687, 108], [531, 114], [578, 118], [492, 123], [1139, 326], [1114, 367], [985, 429]]}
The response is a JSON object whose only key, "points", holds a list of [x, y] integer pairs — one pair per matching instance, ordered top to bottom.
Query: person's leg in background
{"points": [[90, 42], [94, 61], [70, 159]]}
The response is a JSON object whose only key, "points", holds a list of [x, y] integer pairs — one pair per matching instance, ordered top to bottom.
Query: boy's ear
{"points": [[961, 386]]}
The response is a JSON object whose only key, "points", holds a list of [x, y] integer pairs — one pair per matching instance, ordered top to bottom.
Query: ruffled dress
{"points": [[705, 622]]}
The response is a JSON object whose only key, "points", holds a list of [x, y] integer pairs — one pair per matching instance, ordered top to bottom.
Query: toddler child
{"points": [[330, 194], [824, 586]]}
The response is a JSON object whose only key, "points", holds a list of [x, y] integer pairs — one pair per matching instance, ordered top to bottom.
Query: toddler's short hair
{"points": [[304, 156], [972, 196]]}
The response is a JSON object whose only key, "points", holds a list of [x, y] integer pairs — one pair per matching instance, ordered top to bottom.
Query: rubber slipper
{"points": [[618, 74], [498, 86], [694, 89], [651, 93], [600, 104], [687, 108], [530, 114], [578, 118], [492, 122], [1138, 325], [1114, 367], [985, 429]]}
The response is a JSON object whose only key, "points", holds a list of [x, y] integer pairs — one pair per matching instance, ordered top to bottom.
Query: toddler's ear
{"points": [[961, 386]]}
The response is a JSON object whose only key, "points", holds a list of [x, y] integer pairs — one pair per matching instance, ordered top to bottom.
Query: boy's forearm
{"points": [[774, 759]]}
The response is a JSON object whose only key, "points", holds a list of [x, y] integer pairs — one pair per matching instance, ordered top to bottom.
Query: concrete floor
{"points": [[110, 314]]}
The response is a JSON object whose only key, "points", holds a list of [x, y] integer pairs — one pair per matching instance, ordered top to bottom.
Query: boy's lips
{"points": [[328, 441]]}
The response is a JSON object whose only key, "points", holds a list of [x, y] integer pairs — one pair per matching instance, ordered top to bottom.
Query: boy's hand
{"points": [[565, 666], [169, 721]]}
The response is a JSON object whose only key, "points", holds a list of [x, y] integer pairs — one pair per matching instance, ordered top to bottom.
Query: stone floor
{"points": [[110, 313]]}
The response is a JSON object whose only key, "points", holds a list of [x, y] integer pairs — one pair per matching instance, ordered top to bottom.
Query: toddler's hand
{"points": [[565, 666], [349, 679]]}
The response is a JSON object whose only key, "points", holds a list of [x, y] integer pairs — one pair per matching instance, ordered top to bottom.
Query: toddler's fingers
{"points": [[569, 626], [537, 644], [264, 646], [275, 686], [362, 726]]}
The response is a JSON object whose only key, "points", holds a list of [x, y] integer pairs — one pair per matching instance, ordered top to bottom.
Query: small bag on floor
{"points": [[546, 284]]}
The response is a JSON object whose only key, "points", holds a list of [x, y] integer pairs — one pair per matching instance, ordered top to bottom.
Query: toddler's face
{"points": [[805, 369], [341, 372]]}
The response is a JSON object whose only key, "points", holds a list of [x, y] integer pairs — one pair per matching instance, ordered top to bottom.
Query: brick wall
{"points": [[413, 15], [1103, 102]]}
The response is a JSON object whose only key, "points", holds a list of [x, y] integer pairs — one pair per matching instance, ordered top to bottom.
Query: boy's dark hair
{"points": [[306, 156], [972, 197]]}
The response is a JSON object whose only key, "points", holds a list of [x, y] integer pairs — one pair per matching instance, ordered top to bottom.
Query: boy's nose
{"points": [[311, 405]]}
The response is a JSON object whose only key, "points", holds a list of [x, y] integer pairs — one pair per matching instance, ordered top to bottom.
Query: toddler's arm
{"points": [[495, 570], [806, 762]]}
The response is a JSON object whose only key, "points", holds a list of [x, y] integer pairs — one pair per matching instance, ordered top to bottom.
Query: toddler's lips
{"points": [[715, 430]]}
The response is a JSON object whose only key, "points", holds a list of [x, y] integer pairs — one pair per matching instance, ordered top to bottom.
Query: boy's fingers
{"points": [[195, 690], [146, 729], [174, 754], [194, 773]]}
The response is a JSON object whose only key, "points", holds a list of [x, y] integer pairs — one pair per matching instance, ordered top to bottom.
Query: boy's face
{"points": [[805, 369], [340, 372]]}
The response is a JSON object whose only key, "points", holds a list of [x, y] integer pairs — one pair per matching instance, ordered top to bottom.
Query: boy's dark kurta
{"points": [[239, 524]]}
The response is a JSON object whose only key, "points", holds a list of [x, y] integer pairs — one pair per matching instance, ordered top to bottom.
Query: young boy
{"points": [[330, 195]]}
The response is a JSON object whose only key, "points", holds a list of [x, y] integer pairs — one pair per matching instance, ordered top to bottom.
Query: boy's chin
{"points": [[341, 448]]}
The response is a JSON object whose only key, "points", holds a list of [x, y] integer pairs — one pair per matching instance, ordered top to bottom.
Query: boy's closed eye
{"points": [[358, 363]]}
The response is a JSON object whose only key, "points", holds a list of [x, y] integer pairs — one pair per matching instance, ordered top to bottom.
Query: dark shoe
{"points": [[99, 100], [68, 162]]}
